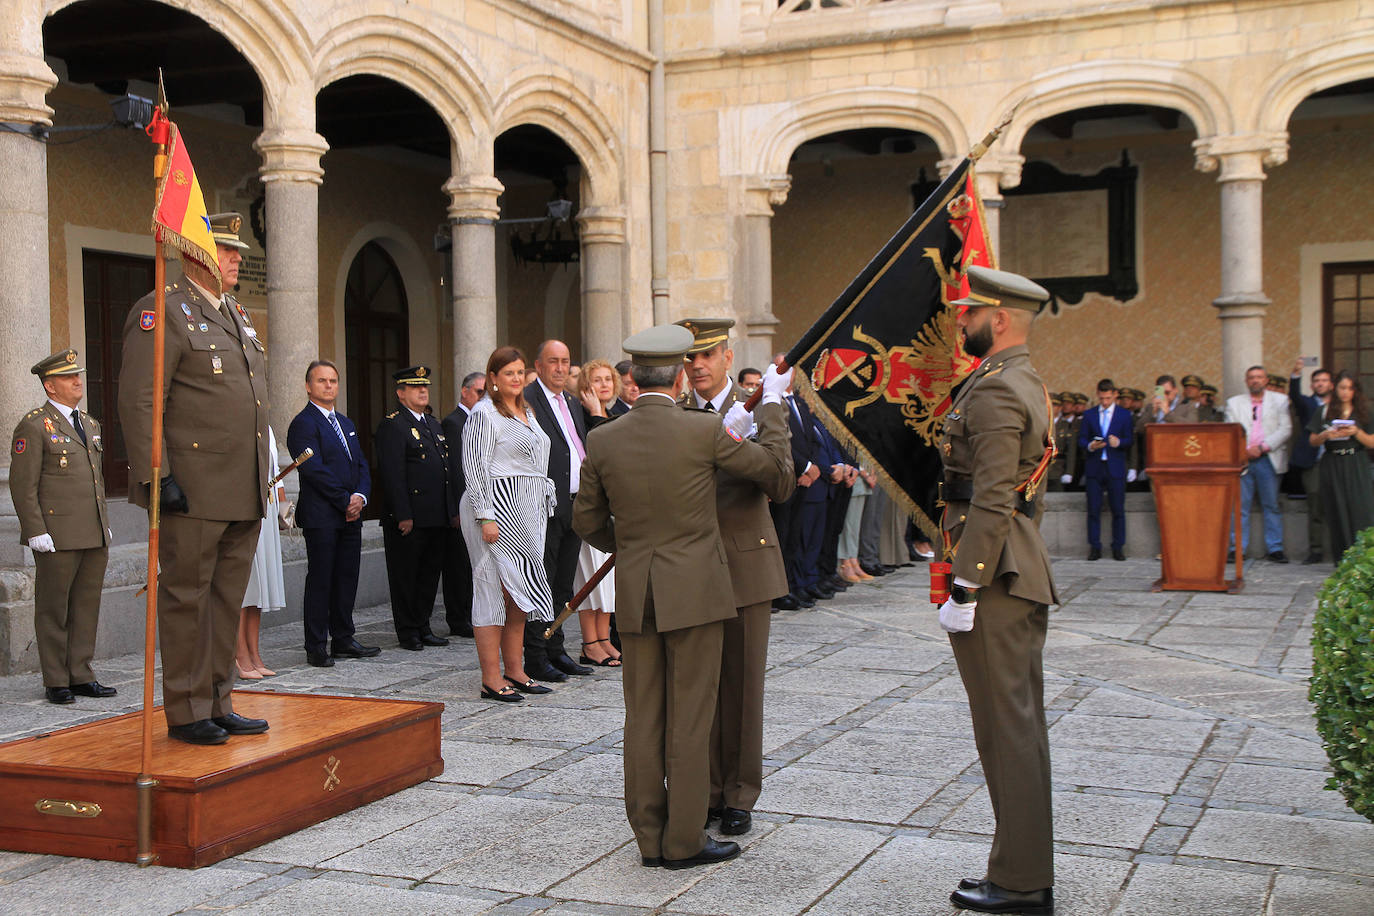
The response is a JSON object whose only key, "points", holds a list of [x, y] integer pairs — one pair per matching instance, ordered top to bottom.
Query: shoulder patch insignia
{"points": [[148, 320], [392, 414], [733, 435], [19, 445]]}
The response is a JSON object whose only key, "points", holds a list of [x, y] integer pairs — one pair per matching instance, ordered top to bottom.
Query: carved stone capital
{"points": [[24, 84], [291, 154], [1241, 157], [998, 171], [764, 192], [473, 197], [601, 224]]}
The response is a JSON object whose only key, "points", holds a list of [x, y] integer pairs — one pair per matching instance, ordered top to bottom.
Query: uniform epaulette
{"points": [[991, 372], [33, 413], [392, 414]]}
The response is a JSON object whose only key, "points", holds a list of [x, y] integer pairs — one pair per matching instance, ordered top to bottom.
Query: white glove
{"points": [[775, 385], [738, 420], [1130, 476], [1066, 479], [42, 544], [955, 617]]}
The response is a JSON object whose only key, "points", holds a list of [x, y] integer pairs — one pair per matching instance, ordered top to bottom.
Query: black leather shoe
{"points": [[1094, 553], [1118, 553], [1278, 556], [1313, 558], [889, 568], [873, 569], [835, 584], [821, 593], [805, 600], [787, 602], [463, 630], [429, 639], [411, 645], [351, 648], [319, 660], [564, 663], [543, 671], [93, 689], [59, 695], [236, 724], [201, 731], [713, 814], [734, 822], [714, 851], [651, 861], [968, 884], [989, 898]]}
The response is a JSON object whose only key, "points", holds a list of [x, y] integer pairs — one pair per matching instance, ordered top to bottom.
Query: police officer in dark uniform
{"points": [[419, 486]]}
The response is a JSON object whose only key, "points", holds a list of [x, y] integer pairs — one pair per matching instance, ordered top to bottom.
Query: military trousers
{"points": [[1316, 511], [414, 563], [205, 566], [66, 610], [1000, 662], [670, 681], [737, 732]]}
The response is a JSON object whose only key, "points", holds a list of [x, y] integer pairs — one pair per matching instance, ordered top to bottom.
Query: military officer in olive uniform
{"points": [[1208, 411], [996, 446], [1065, 463], [213, 479], [419, 485], [58, 488], [648, 492], [756, 574]]}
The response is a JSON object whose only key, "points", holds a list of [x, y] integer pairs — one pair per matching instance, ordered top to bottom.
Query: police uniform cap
{"points": [[225, 229], [1004, 289], [707, 333], [662, 345], [63, 362], [415, 375], [1195, 380], [1209, 389], [1079, 398]]}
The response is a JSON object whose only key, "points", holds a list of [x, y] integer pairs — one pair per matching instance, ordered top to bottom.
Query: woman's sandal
{"points": [[610, 661], [527, 687], [505, 694]]}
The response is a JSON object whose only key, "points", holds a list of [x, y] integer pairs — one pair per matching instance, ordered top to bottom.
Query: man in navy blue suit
{"points": [[1104, 440], [335, 485]]}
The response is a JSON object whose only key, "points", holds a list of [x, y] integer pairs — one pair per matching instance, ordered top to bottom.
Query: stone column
{"points": [[994, 172], [291, 178], [473, 210], [602, 232], [1241, 305], [25, 309], [754, 344]]}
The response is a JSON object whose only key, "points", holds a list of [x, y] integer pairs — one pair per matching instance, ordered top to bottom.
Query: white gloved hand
{"points": [[775, 384], [738, 420], [1130, 476], [1066, 479], [42, 544], [955, 617]]}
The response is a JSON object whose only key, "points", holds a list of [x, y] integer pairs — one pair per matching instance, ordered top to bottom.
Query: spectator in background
{"points": [[749, 379], [628, 389], [599, 390], [1165, 397], [1189, 402], [1209, 412], [1268, 428], [1344, 432], [1105, 438], [1306, 456], [1065, 463], [457, 567], [849, 570], [267, 582]]}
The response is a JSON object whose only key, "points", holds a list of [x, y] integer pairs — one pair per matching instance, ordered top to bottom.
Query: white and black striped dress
{"points": [[505, 463]]}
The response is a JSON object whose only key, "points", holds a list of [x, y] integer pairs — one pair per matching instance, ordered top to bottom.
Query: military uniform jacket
{"points": [[214, 425], [994, 435], [1066, 447], [417, 472], [57, 482], [648, 493], [746, 525]]}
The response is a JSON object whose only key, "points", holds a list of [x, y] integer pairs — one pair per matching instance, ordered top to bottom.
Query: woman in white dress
{"points": [[598, 388], [504, 516], [266, 583]]}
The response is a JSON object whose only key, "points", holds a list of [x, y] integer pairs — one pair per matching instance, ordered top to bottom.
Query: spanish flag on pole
{"points": [[179, 218]]}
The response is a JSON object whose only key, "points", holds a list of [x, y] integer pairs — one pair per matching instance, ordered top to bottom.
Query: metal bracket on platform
{"points": [[62, 808]]}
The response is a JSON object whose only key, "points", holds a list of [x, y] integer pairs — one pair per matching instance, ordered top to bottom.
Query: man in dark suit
{"points": [[628, 389], [565, 422], [1104, 440], [1305, 456], [414, 463], [335, 485], [788, 516], [457, 565]]}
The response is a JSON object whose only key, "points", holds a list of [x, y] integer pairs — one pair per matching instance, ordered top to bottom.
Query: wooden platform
{"points": [[71, 792]]}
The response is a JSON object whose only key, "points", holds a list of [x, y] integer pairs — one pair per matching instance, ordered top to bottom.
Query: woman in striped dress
{"points": [[504, 516]]}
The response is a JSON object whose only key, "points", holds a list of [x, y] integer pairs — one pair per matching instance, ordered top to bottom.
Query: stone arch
{"points": [[267, 34], [1342, 61], [437, 71], [1082, 85], [554, 102], [848, 109]]}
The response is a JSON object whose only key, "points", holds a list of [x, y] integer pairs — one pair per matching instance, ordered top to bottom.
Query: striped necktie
{"points": [[338, 431]]}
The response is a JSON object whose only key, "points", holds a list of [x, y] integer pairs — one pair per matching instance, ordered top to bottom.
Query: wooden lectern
{"points": [[1195, 470]]}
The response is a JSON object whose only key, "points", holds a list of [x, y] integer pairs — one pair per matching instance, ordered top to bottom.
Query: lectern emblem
{"points": [[1192, 448], [331, 773]]}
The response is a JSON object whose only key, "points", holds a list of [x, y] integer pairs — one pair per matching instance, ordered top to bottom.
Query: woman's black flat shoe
{"points": [[528, 686], [505, 694]]}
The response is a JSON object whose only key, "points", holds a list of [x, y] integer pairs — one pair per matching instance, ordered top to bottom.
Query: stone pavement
{"points": [[1188, 778]]}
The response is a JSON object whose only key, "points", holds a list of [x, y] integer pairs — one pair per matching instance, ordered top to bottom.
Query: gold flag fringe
{"points": [[175, 239]]}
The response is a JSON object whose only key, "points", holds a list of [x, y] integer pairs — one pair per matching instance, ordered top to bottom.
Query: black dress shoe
{"points": [[1094, 553], [1118, 553], [1278, 556], [1313, 558], [889, 568], [873, 569], [835, 584], [820, 592], [805, 599], [787, 602], [463, 629], [429, 639], [412, 644], [351, 648], [319, 660], [564, 663], [543, 671], [529, 687], [93, 689], [59, 695], [236, 724], [201, 731], [713, 814], [734, 822], [714, 851], [651, 861], [968, 884], [989, 898]]}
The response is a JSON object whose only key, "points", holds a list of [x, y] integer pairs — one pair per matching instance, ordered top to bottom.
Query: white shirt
{"points": [[214, 300], [717, 402], [64, 410], [330, 413], [1104, 421], [569, 434]]}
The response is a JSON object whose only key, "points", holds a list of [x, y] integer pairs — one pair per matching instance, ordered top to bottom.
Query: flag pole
{"points": [[159, 132]]}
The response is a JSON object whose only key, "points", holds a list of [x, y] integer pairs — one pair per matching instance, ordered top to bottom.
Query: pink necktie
{"points": [[567, 418]]}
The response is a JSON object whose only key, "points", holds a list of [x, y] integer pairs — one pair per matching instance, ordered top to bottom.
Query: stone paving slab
{"points": [[1188, 777]]}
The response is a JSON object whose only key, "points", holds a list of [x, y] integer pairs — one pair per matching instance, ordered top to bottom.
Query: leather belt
{"points": [[960, 489]]}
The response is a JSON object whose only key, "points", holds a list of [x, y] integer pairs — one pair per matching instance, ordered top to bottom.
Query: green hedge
{"points": [[1343, 674]]}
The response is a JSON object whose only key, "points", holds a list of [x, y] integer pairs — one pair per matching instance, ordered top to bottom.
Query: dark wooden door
{"points": [[1348, 319]]}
